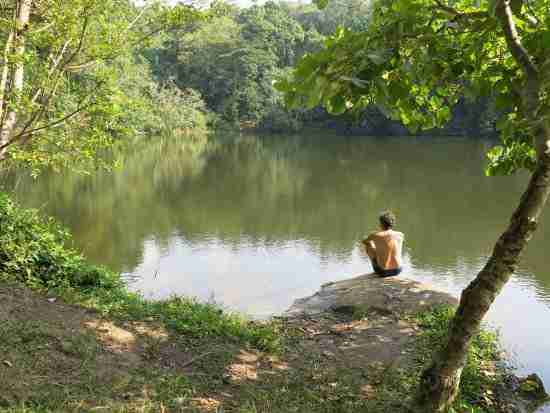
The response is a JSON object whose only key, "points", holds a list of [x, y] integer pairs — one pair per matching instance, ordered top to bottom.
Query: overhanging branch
{"points": [[457, 14], [513, 40], [48, 126]]}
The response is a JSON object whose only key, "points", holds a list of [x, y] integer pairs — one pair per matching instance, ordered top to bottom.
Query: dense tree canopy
{"points": [[233, 58], [418, 58], [65, 88]]}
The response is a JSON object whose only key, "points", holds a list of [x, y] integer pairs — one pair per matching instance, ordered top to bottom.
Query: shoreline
{"points": [[397, 301], [76, 340], [361, 341]]}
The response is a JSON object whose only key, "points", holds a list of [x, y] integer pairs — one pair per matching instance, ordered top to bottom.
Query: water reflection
{"points": [[255, 222]]}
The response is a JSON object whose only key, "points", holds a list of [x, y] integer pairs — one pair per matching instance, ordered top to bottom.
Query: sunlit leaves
{"points": [[321, 3], [417, 59], [71, 106], [507, 159]]}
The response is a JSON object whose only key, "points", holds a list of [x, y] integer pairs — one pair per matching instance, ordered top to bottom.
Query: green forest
{"points": [[233, 58], [126, 73], [169, 132]]}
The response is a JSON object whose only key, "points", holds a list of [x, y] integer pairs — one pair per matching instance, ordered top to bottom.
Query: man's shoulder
{"points": [[376, 234], [398, 234]]}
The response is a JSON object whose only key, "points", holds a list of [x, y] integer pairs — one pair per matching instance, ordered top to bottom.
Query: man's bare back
{"points": [[385, 247]]}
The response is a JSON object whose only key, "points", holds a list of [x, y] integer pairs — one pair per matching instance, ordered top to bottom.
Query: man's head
{"points": [[387, 220]]}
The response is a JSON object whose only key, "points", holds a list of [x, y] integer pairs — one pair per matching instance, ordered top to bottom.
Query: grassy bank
{"points": [[34, 252], [75, 340]]}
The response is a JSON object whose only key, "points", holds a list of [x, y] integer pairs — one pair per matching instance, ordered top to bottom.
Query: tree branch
{"points": [[458, 14], [133, 22], [80, 41], [519, 52], [79, 66], [48, 126], [541, 130]]}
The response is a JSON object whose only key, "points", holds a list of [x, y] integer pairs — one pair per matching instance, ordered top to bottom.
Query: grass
{"points": [[52, 365], [47, 366], [57, 369], [483, 372], [480, 373]]}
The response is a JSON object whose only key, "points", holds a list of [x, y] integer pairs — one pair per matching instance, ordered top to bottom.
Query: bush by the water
{"points": [[34, 251]]}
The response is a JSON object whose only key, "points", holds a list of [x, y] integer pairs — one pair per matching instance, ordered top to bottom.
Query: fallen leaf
{"points": [[368, 391]]}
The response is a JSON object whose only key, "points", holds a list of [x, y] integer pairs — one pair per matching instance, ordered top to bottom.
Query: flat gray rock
{"points": [[392, 295]]}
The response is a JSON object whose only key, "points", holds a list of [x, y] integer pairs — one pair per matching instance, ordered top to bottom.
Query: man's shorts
{"points": [[385, 273]]}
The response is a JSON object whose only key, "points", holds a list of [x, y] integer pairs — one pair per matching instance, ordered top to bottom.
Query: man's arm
{"points": [[371, 237], [365, 242]]}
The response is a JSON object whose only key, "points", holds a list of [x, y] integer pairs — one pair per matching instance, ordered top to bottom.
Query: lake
{"points": [[256, 222]]}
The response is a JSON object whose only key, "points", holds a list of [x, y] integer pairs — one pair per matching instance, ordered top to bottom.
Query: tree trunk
{"points": [[4, 75], [15, 75], [439, 383]]}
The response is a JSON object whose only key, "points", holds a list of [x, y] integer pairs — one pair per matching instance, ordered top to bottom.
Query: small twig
{"points": [[458, 14], [136, 19], [50, 125], [199, 357]]}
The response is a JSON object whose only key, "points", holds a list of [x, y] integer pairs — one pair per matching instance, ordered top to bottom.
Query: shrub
{"points": [[32, 250]]}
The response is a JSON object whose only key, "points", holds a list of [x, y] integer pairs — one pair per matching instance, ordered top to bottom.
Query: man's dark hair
{"points": [[387, 219]]}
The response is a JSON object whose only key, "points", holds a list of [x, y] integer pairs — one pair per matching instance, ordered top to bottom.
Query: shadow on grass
{"points": [[56, 357]]}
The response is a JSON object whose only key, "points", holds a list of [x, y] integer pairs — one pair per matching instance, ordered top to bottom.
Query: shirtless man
{"points": [[384, 247]]}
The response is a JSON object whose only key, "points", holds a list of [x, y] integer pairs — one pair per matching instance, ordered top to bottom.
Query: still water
{"points": [[256, 222]]}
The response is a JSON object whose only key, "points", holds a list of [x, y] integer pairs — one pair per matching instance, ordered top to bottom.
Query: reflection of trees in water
{"points": [[325, 190], [111, 214]]}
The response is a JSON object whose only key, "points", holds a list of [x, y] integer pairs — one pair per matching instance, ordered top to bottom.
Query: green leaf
{"points": [[321, 4], [516, 6], [377, 57], [357, 82], [282, 85], [503, 101], [337, 105]]}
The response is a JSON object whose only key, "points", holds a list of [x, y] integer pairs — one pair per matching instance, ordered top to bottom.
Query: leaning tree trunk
{"points": [[13, 77], [439, 383]]}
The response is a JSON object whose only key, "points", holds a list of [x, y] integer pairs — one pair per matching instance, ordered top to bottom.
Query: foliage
{"points": [[352, 14], [233, 57], [418, 57], [231, 60], [72, 103], [148, 108], [32, 251]]}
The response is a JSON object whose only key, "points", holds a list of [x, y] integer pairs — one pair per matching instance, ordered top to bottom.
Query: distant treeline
{"points": [[232, 59]]}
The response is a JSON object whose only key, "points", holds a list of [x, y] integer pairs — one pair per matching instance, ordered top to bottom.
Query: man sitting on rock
{"points": [[384, 247]]}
